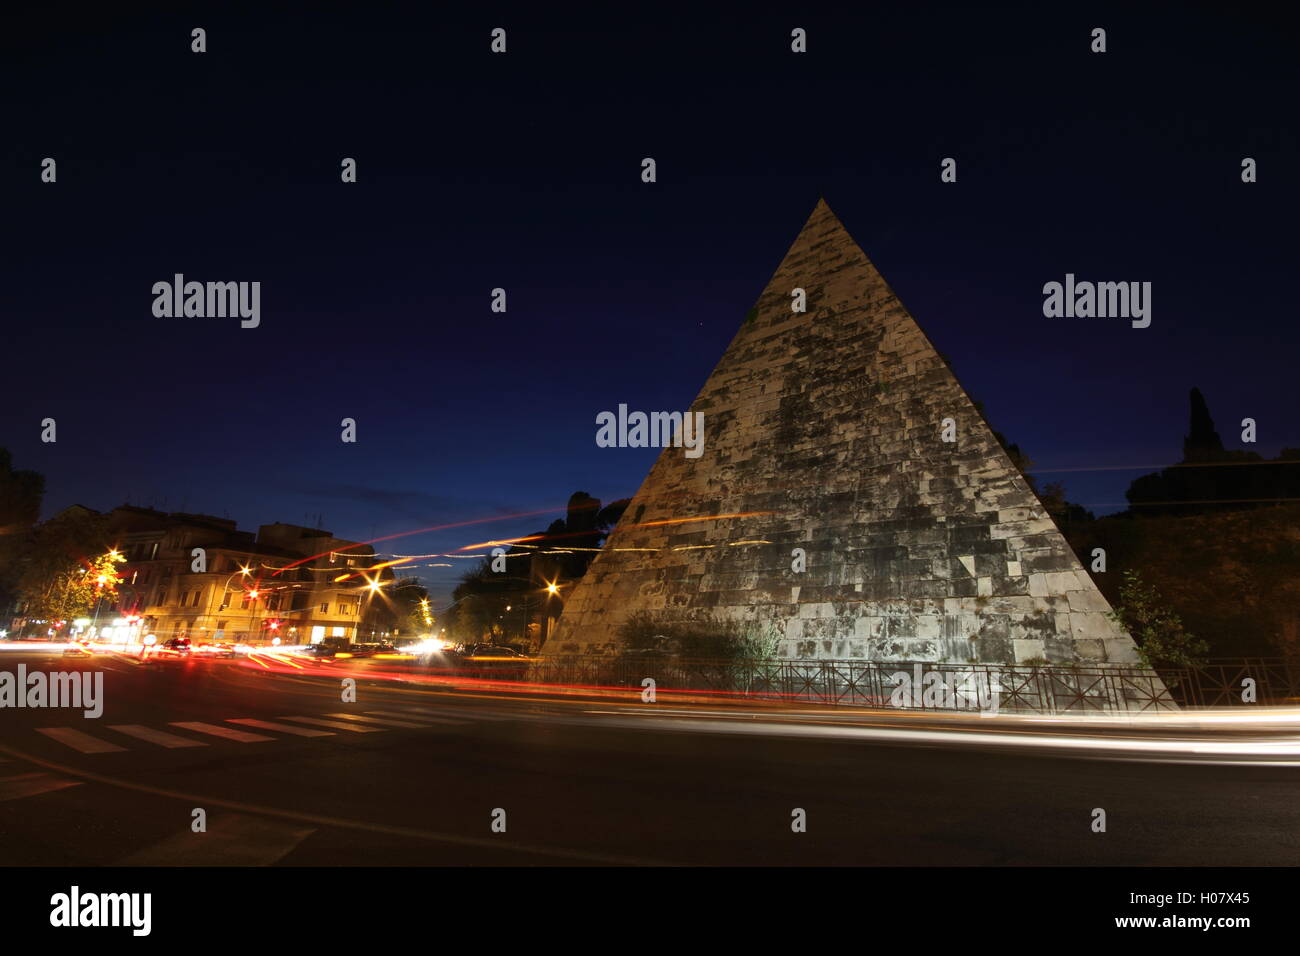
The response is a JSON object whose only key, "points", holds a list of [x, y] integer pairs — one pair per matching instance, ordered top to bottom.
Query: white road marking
{"points": [[336, 724], [282, 728], [228, 733], [159, 737], [83, 743], [30, 784], [232, 839]]}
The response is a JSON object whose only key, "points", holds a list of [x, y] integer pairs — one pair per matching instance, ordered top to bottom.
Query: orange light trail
{"points": [[738, 514], [644, 524], [436, 527], [489, 544]]}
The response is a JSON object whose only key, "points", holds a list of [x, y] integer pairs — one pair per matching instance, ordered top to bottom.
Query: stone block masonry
{"points": [[824, 433]]}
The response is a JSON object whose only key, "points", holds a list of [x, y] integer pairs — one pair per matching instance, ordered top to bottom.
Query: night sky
{"points": [[522, 171]]}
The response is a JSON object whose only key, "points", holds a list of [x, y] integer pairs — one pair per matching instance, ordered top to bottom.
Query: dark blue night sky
{"points": [[522, 171]]}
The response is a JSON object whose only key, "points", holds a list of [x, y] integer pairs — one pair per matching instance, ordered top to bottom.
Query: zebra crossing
{"points": [[187, 734], [231, 838]]}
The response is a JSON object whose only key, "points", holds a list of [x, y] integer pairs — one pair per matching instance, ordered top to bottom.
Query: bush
{"points": [[1161, 638], [703, 640]]}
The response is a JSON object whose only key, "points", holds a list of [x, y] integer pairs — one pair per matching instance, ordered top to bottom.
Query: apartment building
{"points": [[198, 576]]}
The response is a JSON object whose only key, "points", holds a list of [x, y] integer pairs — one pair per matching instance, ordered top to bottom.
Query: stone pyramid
{"points": [[823, 431]]}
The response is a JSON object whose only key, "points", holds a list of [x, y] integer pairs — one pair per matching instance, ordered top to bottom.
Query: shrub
{"points": [[1161, 638]]}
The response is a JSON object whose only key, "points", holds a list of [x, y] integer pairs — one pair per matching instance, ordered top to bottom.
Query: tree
{"points": [[1211, 478], [20, 505], [68, 567], [411, 606], [1161, 638]]}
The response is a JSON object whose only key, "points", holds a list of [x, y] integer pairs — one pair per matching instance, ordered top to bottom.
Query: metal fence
{"points": [[1232, 682], [940, 686]]}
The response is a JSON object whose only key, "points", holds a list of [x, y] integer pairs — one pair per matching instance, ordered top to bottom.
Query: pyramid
{"points": [[823, 432]]}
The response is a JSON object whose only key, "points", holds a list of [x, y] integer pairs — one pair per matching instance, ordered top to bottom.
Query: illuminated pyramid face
{"points": [[857, 530]]}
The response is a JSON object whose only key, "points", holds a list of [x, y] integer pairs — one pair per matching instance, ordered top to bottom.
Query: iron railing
{"points": [[940, 686]]}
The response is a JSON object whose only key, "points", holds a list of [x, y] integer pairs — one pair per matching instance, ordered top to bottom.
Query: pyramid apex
{"points": [[823, 215]]}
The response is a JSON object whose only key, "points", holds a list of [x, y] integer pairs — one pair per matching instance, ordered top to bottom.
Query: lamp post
{"points": [[115, 556], [244, 571], [373, 588], [552, 591], [252, 610]]}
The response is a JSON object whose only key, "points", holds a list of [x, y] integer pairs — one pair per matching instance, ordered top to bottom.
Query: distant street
{"points": [[289, 775]]}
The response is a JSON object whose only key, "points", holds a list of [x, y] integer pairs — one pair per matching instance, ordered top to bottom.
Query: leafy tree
{"points": [[20, 504], [68, 567], [481, 598], [410, 602], [1161, 638]]}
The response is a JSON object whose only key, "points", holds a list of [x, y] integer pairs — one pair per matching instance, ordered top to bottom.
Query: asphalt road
{"points": [[580, 782]]}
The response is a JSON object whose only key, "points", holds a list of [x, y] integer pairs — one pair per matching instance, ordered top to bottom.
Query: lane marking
{"points": [[381, 720], [336, 725], [282, 728], [227, 733], [159, 737], [82, 743], [30, 784], [321, 820], [232, 839]]}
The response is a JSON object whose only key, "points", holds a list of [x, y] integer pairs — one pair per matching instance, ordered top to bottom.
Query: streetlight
{"points": [[116, 557], [252, 610]]}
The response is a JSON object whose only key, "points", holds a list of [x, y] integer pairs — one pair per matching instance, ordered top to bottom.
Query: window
{"points": [[162, 597], [194, 602], [225, 602], [325, 608]]}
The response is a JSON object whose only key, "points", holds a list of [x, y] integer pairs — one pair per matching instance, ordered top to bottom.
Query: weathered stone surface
{"points": [[823, 432]]}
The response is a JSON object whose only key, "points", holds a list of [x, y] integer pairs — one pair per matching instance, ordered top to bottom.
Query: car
{"points": [[177, 645], [216, 649], [369, 649], [322, 651], [493, 660]]}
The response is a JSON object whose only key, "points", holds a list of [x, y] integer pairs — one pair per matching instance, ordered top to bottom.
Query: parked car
{"points": [[217, 649], [370, 649], [493, 660]]}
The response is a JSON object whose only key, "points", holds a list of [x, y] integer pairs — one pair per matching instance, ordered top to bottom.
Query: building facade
{"points": [[198, 576]]}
